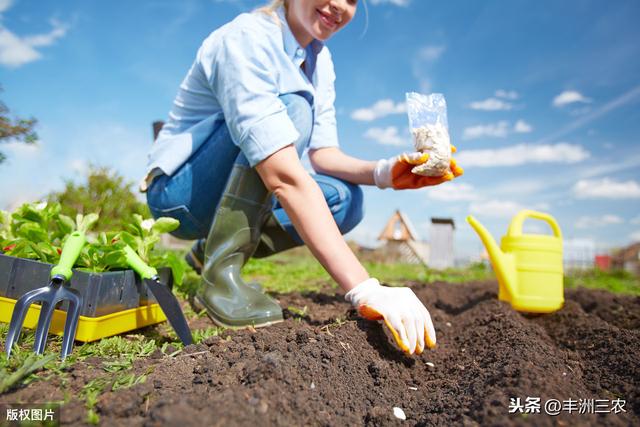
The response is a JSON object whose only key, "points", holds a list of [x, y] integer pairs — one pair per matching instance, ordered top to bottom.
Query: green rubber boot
{"points": [[234, 236], [274, 239]]}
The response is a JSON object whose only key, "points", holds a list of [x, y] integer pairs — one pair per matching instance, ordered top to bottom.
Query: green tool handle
{"points": [[70, 253], [139, 266]]}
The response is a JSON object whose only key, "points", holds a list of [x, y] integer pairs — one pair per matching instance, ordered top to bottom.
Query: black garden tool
{"points": [[57, 291], [168, 302]]}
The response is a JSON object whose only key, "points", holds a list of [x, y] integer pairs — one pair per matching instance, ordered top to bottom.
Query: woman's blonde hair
{"points": [[271, 8]]}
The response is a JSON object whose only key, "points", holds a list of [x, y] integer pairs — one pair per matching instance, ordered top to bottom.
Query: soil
{"points": [[328, 367]]}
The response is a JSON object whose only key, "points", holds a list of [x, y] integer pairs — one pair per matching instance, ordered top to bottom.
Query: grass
{"points": [[298, 271], [621, 282], [117, 354]]}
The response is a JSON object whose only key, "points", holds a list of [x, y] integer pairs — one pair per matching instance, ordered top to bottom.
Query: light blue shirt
{"points": [[239, 73]]}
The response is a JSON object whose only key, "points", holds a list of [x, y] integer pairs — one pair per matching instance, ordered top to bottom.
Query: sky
{"points": [[543, 102]]}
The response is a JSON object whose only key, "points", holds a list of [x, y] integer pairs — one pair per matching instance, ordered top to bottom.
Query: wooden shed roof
{"points": [[407, 231]]}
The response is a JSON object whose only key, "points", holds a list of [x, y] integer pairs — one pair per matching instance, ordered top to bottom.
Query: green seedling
{"points": [[38, 230], [297, 311], [200, 335], [28, 366], [129, 380], [90, 392]]}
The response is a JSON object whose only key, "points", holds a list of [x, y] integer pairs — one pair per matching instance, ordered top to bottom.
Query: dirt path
{"points": [[317, 370]]}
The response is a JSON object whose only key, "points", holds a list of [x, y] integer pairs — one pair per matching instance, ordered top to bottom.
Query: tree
{"points": [[15, 129], [106, 193]]}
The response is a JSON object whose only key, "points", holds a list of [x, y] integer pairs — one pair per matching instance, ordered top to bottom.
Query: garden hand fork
{"points": [[49, 296]]}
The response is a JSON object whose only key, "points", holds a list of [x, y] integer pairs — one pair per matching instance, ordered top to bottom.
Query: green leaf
{"points": [[31, 213], [87, 222], [137, 222], [66, 224], [165, 225], [132, 229], [32, 231], [134, 241], [42, 256], [115, 259], [177, 265]]}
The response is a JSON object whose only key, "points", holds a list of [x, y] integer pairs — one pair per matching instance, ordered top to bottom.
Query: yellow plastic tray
{"points": [[89, 328]]}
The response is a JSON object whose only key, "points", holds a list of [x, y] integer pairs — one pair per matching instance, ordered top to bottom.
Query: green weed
{"points": [[200, 335], [90, 393]]}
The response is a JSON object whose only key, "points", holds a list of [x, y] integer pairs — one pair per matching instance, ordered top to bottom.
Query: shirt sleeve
{"points": [[241, 73], [325, 132]]}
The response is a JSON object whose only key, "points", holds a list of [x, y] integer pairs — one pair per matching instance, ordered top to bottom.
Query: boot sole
{"points": [[218, 322]]}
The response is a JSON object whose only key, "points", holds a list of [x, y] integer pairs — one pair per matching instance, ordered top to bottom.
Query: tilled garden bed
{"points": [[325, 366]]}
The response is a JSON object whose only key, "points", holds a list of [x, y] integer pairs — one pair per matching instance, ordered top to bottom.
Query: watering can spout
{"points": [[503, 263]]}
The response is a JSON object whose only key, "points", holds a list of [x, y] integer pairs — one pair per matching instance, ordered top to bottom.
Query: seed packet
{"points": [[430, 132]]}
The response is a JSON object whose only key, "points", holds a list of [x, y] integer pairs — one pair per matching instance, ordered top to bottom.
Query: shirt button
{"points": [[299, 52]]}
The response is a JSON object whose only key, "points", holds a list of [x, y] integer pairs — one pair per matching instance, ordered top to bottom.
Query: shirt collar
{"points": [[291, 45]]}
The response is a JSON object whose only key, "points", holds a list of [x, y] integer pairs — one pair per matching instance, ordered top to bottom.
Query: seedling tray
{"points": [[102, 293], [112, 302], [89, 328]]}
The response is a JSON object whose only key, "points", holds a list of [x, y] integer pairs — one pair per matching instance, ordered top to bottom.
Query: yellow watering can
{"points": [[529, 266]]}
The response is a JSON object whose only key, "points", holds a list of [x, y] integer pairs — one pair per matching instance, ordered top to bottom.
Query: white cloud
{"points": [[393, 2], [5, 4], [39, 40], [16, 51], [431, 53], [507, 94], [569, 97], [491, 104], [612, 105], [382, 108], [522, 127], [501, 129], [492, 130], [387, 136], [21, 149], [522, 154], [79, 166], [519, 187], [606, 188], [453, 192], [495, 208], [504, 208], [601, 221], [635, 236]]}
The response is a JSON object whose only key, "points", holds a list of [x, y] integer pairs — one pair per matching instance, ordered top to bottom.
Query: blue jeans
{"points": [[191, 195]]}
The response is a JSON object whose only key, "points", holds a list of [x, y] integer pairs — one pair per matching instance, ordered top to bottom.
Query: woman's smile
{"points": [[327, 20]]}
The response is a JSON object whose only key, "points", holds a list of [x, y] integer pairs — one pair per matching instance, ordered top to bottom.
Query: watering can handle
{"points": [[515, 229]]}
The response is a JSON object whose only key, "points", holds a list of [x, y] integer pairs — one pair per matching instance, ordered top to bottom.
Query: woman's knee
{"points": [[301, 114], [355, 211]]}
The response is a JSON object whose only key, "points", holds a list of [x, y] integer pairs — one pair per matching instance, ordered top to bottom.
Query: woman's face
{"points": [[318, 19]]}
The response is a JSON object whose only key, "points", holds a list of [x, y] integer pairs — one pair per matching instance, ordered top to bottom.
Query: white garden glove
{"points": [[402, 312]]}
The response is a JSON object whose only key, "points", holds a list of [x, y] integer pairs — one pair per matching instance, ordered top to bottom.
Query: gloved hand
{"points": [[396, 172], [402, 312]]}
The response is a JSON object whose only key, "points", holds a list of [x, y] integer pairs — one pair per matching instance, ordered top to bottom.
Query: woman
{"points": [[227, 165]]}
